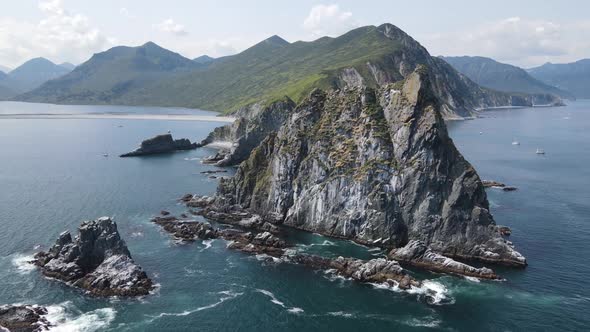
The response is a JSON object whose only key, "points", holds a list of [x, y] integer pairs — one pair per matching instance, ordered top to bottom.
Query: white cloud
{"points": [[126, 13], [328, 20], [170, 26], [60, 36], [516, 40]]}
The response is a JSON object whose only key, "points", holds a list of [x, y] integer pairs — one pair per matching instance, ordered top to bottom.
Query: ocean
{"points": [[53, 175]]}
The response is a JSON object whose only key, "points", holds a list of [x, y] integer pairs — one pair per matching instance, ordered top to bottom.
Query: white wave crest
{"points": [[207, 244], [22, 263], [434, 292], [228, 295], [273, 299], [341, 314], [62, 320]]}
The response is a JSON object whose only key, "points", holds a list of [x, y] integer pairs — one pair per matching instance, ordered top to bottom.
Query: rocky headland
{"points": [[161, 144], [374, 166], [97, 261], [23, 318]]}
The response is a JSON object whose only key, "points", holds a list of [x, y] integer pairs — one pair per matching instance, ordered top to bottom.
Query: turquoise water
{"points": [[53, 175]]}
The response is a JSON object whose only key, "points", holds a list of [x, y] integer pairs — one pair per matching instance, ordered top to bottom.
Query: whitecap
{"points": [[207, 244], [23, 263], [472, 279], [434, 292], [229, 295], [276, 301], [295, 310], [341, 314], [63, 321], [424, 322]]}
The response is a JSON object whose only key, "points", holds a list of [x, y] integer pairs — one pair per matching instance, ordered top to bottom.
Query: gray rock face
{"points": [[252, 126], [161, 144], [375, 166], [418, 254], [97, 260], [23, 318]]}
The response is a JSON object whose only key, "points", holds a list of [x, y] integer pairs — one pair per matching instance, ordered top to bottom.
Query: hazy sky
{"points": [[521, 32]]}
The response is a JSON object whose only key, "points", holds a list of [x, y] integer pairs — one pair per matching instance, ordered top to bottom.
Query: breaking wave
{"points": [[276, 301], [62, 320]]}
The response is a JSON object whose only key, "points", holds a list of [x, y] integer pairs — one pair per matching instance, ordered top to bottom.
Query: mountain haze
{"points": [[367, 56], [500, 76], [573, 77]]}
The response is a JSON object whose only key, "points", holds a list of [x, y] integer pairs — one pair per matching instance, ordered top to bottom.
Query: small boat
{"points": [[120, 126], [169, 131], [481, 132], [515, 142], [540, 151], [105, 155]]}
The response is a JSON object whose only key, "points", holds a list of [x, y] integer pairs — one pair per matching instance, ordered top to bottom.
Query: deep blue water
{"points": [[53, 175]]}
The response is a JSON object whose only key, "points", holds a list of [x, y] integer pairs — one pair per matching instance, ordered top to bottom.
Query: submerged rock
{"points": [[161, 144], [374, 166], [496, 184], [416, 253], [97, 260], [23, 318]]}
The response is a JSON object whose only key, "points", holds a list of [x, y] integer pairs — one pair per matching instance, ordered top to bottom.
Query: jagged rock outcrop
{"points": [[254, 123], [161, 144], [375, 166], [416, 253], [97, 260], [377, 270], [23, 318]]}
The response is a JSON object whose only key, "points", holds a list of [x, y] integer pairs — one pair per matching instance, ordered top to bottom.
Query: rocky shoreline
{"points": [[257, 241], [415, 253], [97, 261], [23, 318]]}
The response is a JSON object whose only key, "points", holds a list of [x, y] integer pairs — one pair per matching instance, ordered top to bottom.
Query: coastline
{"points": [[122, 116]]}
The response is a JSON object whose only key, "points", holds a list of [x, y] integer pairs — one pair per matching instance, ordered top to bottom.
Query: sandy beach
{"points": [[122, 116]]}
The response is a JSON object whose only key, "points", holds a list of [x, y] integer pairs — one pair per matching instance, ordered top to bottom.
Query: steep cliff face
{"points": [[254, 123], [376, 166]]}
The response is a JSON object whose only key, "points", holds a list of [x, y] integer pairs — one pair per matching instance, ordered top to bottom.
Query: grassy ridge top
{"points": [[268, 70]]}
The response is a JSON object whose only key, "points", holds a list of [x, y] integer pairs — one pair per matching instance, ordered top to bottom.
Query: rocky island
{"points": [[161, 144], [375, 166], [97, 261], [23, 318]]}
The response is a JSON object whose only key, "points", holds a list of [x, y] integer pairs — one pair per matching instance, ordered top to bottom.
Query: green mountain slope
{"points": [[369, 56], [35, 72], [109, 76], [500, 76], [573, 77]]}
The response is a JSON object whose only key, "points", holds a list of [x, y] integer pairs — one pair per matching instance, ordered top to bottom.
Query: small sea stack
{"points": [[161, 144], [97, 260]]}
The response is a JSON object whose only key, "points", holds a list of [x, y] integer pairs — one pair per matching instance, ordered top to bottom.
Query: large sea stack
{"points": [[376, 166], [97, 260]]}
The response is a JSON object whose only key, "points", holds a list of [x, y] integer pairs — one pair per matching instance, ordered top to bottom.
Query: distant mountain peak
{"points": [[275, 40], [203, 59]]}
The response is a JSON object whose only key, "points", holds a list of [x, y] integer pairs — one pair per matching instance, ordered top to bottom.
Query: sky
{"points": [[525, 33]]}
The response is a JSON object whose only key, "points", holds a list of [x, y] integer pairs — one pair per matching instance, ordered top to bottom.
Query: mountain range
{"points": [[270, 70], [30, 75], [501, 77], [573, 77]]}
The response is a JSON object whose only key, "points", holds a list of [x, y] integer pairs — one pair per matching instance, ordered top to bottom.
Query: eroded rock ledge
{"points": [[161, 144], [415, 253], [97, 260], [377, 270], [23, 318]]}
